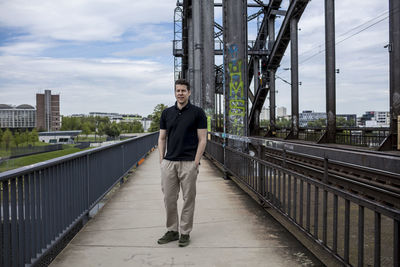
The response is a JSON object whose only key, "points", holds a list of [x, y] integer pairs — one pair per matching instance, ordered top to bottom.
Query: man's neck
{"points": [[181, 106]]}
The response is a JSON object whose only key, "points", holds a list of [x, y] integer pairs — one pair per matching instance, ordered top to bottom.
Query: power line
{"points": [[348, 37]]}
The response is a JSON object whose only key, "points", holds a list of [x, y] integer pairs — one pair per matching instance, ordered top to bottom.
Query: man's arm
{"points": [[202, 135], [161, 143]]}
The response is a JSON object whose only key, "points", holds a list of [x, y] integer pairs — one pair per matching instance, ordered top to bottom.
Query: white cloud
{"points": [[82, 20], [151, 50], [85, 85]]}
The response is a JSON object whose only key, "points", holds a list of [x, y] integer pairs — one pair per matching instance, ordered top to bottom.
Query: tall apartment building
{"points": [[48, 111], [281, 112], [264, 115], [17, 117]]}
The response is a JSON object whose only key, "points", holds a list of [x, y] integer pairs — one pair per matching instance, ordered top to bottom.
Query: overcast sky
{"points": [[116, 55]]}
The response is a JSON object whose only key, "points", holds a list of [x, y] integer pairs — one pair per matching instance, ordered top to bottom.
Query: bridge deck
{"points": [[229, 230]]}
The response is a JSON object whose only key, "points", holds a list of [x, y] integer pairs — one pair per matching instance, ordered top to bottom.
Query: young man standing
{"points": [[182, 140]]}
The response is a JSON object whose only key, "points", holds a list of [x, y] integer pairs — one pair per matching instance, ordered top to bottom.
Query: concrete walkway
{"points": [[230, 229]]}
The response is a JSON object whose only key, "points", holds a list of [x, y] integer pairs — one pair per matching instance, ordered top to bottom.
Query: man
{"points": [[183, 136]]}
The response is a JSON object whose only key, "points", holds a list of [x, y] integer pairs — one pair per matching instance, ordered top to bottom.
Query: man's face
{"points": [[181, 94]]}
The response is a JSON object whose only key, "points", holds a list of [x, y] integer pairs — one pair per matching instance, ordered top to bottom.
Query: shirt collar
{"points": [[184, 108]]}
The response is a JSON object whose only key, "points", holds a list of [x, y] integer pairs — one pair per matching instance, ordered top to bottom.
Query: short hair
{"points": [[182, 82]]}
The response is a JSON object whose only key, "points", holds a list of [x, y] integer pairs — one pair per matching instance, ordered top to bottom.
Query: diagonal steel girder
{"points": [[295, 10], [262, 36]]}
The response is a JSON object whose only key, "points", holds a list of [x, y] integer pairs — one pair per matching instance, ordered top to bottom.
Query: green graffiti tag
{"points": [[237, 103]]}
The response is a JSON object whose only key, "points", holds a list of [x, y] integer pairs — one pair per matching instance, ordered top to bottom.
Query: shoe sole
{"points": [[165, 242], [184, 244]]}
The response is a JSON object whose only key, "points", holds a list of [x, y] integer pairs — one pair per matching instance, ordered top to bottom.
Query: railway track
{"points": [[377, 185]]}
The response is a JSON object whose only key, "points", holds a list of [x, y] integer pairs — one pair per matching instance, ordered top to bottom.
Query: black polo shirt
{"points": [[181, 126]]}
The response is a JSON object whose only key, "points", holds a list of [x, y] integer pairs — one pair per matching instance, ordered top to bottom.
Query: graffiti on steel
{"points": [[237, 103]]}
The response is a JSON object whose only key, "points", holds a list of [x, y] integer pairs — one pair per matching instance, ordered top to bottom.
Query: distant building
{"points": [[48, 111], [281, 112], [104, 114], [78, 115], [264, 115], [308, 115], [17, 117], [351, 118], [375, 119], [146, 123], [58, 137]]}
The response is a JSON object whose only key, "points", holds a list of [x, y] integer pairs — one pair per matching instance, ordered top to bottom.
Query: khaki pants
{"points": [[173, 175]]}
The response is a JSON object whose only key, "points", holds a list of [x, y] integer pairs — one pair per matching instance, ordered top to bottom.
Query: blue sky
{"points": [[116, 55]]}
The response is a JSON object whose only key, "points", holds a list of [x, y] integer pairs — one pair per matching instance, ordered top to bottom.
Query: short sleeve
{"points": [[163, 120], [201, 120]]}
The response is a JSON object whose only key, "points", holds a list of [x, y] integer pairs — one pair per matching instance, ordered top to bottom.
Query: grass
{"points": [[83, 138], [6, 153], [28, 160]]}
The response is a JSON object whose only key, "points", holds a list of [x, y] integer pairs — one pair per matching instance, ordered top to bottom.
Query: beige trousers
{"points": [[176, 174]]}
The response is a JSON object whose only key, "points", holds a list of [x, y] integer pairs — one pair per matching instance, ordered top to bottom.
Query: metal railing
{"points": [[367, 137], [40, 203], [352, 229]]}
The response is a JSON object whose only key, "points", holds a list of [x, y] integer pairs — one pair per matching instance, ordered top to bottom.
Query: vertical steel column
{"points": [[185, 40], [294, 60], [394, 61], [235, 63], [256, 70], [330, 71], [208, 72], [190, 75], [256, 82], [196, 87], [272, 105]]}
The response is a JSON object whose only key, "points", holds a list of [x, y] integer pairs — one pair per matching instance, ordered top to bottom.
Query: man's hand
{"points": [[161, 143]]}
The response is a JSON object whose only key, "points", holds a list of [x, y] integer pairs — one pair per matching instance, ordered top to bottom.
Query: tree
{"points": [[155, 117], [264, 123], [283, 123], [320, 123], [137, 127], [86, 129], [101, 130], [112, 130], [1, 135], [34, 136], [25, 137], [7, 138], [17, 139]]}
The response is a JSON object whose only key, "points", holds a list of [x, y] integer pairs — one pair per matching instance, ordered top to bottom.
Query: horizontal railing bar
{"points": [[48, 163], [393, 213], [290, 219]]}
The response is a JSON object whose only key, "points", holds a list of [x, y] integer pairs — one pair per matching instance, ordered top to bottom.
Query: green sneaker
{"points": [[168, 237], [184, 240]]}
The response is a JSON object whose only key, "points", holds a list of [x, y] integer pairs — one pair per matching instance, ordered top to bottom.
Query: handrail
{"points": [[42, 202], [330, 217]]}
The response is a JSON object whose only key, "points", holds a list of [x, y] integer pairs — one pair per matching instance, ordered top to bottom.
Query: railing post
{"points": [[123, 165], [86, 218]]}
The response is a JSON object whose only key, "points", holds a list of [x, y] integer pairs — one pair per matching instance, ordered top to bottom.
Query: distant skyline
{"points": [[116, 56]]}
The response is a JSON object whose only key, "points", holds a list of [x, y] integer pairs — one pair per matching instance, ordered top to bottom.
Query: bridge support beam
{"points": [[185, 41], [197, 49], [294, 59], [394, 61], [235, 64], [207, 66], [330, 68], [190, 73], [272, 102]]}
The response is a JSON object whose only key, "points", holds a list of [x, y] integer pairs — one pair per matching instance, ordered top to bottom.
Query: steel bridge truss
{"points": [[224, 91]]}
